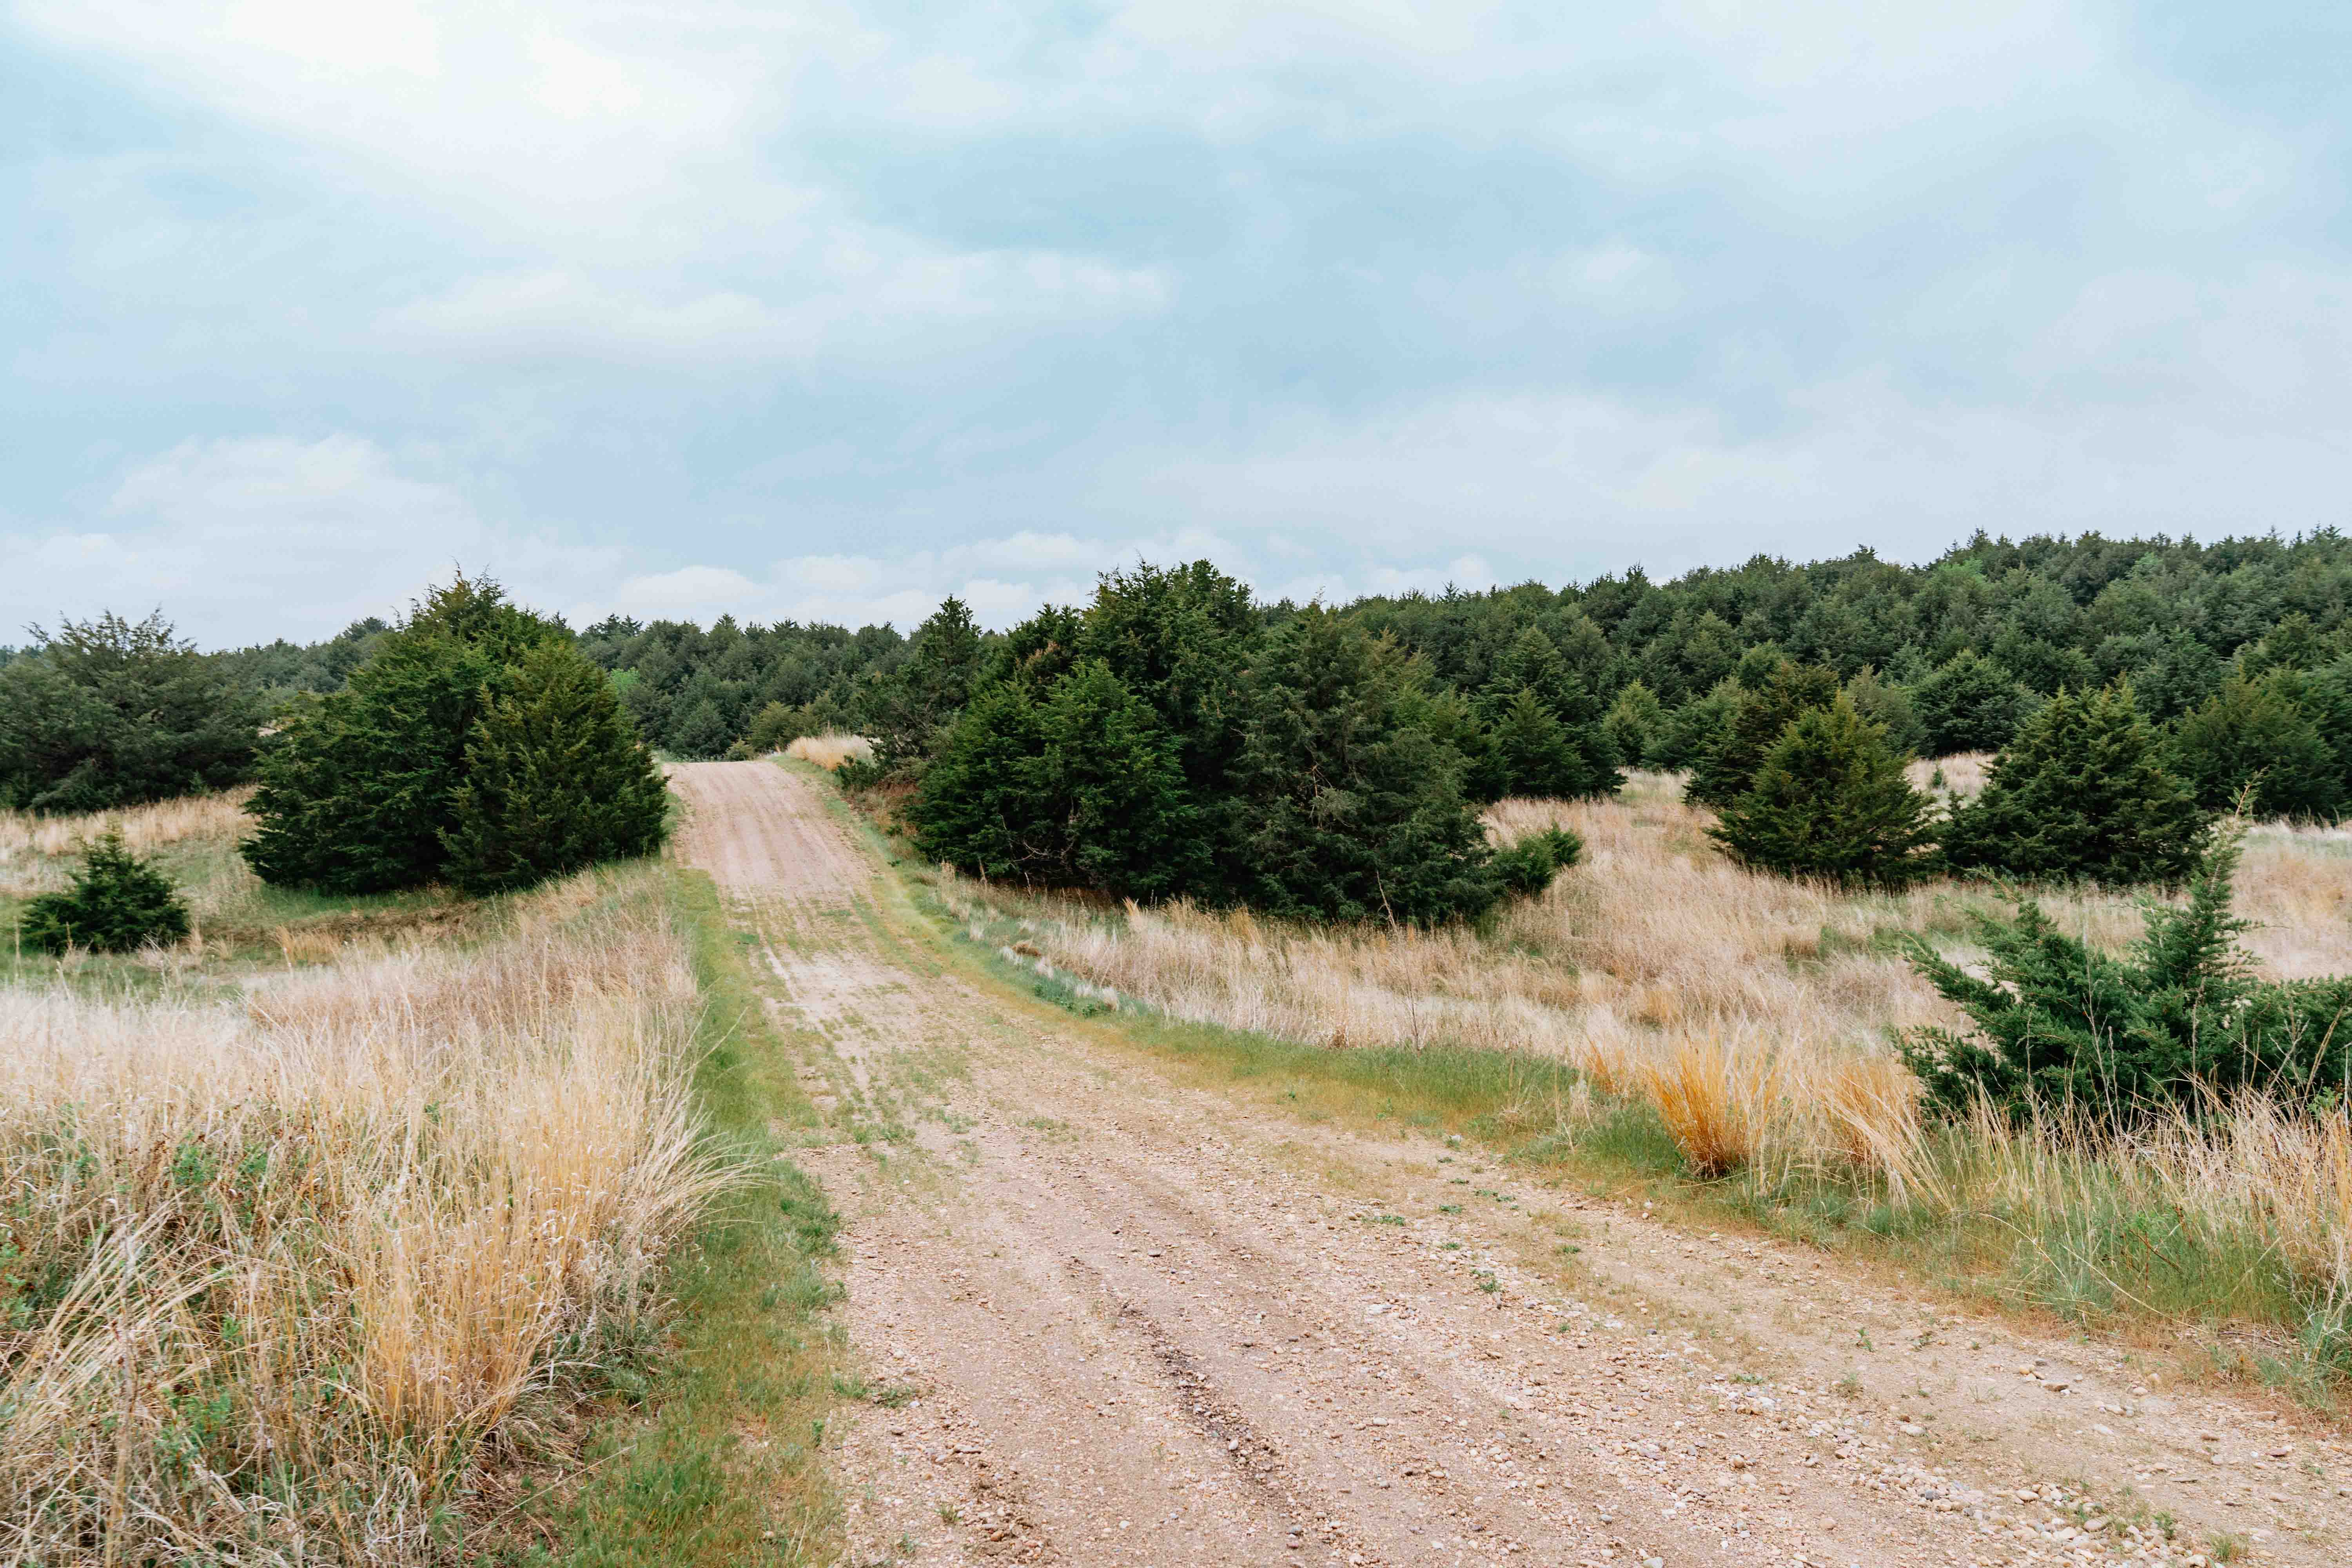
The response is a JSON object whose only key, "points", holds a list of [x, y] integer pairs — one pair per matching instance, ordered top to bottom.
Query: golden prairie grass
{"points": [[829, 752], [33, 849], [283, 1273]]}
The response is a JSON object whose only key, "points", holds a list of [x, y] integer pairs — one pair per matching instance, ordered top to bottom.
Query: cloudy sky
{"points": [[812, 309]]}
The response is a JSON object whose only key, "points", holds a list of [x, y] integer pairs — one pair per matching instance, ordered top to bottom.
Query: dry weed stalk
{"points": [[320, 1247]]}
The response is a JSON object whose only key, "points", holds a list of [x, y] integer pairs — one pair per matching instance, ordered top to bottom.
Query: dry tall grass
{"points": [[829, 752], [33, 849], [282, 1274]]}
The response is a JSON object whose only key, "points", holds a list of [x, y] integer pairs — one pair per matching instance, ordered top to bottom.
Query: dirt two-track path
{"points": [[1112, 1314]]}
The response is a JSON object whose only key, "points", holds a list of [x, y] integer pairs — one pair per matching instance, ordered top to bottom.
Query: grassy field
{"points": [[1664, 1014], [402, 1229]]}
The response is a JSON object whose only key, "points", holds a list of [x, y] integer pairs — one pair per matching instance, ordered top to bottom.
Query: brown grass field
{"points": [[300, 1256]]}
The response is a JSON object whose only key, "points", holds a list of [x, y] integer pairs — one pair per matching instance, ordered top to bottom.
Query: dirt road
{"points": [[1111, 1318]]}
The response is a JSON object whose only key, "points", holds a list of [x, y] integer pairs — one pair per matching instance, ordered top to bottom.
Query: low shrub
{"points": [[1528, 867], [117, 902], [2180, 1022]]}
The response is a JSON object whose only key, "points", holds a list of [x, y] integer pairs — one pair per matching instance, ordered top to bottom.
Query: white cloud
{"points": [[864, 296], [240, 541]]}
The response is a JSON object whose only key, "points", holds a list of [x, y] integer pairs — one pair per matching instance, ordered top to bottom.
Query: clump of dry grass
{"points": [[829, 752], [1962, 775], [33, 849], [283, 1273]]}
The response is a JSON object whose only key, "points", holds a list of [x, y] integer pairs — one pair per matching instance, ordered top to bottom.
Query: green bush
{"points": [[1767, 702], [1971, 704], [111, 713], [1636, 725], [1545, 734], [2254, 735], [555, 779], [1080, 788], [2080, 792], [362, 795], [1831, 800], [1346, 809], [1528, 867], [117, 902], [2178, 1022]]}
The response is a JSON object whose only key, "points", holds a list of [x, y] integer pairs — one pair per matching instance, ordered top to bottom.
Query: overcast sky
{"points": [[677, 306]]}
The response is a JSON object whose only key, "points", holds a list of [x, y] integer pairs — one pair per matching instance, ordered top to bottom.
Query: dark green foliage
{"points": [[1178, 638], [2327, 697], [1769, 700], [1971, 704], [1890, 707], [909, 711], [112, 713], [1636, 725], [775, 727], [702, 730], [1692, 731], [2253, 733], [1545, 735], [555, 780], [1080, 788], [2080, 792], [360, 794], [356, 796], [1829, 800], [1345, 809], [1528, 867], [117, 902], [2176, 1020]]}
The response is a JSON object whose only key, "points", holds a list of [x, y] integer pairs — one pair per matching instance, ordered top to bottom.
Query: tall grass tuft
{"points": [[829, 752], [281, 1275]]}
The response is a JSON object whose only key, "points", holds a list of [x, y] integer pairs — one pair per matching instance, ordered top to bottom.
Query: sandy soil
{"points": [[1108, 1319]]}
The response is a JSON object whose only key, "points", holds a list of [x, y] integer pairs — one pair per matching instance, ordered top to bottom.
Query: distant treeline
{"points": [[1962, 648], [1951, 656]]}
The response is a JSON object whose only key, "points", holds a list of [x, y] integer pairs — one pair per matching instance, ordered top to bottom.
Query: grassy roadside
{"points": [[2070, 1243], [720, 1460]]}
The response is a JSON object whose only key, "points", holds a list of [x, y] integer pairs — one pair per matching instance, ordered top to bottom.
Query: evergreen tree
{"points": [[2327, 697], [1769, 700], [1971, 704], [1890, 707], [909, 710], [110, 713], [1636, 725], [1696, 729], [701, 731], [2252, 732], [1546, 737], [555, 780], [1081, 789], [1114, 791], [2080, 792], [356, 796], [1829, 800], [983, 801], [1346, 810], [117, 902], [2178, 1021]]}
